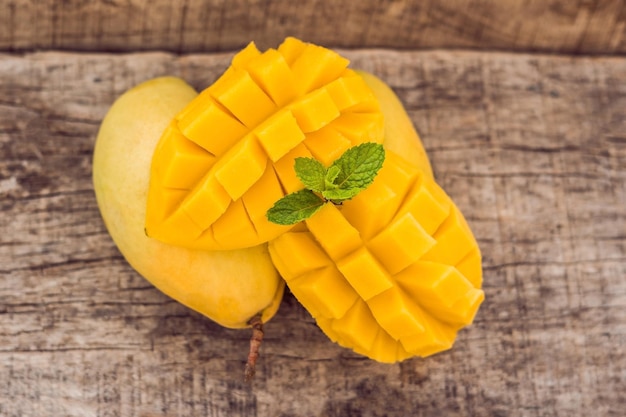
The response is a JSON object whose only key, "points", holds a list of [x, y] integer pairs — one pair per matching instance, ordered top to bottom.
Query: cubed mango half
{"points": [[267, 109], [391, 274]]}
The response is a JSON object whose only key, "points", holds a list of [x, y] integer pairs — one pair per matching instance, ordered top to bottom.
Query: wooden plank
{"points": [[590, 26], [531, 147]]}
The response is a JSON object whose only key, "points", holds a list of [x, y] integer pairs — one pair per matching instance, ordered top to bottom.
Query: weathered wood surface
{"points": [[582, 26], [531, 147]]}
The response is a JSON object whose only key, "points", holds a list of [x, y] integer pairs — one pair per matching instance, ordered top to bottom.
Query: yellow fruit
{"points": [[400, 134], [228, 155], [393, 273], [229, 287]]}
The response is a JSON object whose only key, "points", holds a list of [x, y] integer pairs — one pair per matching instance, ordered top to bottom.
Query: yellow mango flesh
{"points": [[228, 155], [390, 279], [229, 287]]}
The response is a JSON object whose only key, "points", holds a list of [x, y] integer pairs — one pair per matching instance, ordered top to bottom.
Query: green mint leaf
{"points": [[359, 165], [312, 173], [350, 174], [331, 176], [340, 194], [295, 207]]}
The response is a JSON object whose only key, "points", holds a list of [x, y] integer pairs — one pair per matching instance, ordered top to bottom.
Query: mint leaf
{"points": [[359, 165], [311, 172], [331, 174], [350, 174], [340, 194], [295, 207]]}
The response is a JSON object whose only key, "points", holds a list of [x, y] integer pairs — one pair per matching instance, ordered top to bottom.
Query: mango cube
{"points": [[291, 49], [243, 57], [317, 66], [272, 73], [349, 90], [238, 93], [314, 111], [210, 120], [351, 126], [279, 134], [326, 144], [181, 155], [244, 166], [260, 198], [165, 200], [206, 202], [425, 208], [371, 210], [234, 226], [333, 232], [454, 240], [401, 244], [305, 254], [471, 267], [365, 273], [443, 290], [326, 291], [396, 313], [357, 327], [437, 337], [384, 349]]}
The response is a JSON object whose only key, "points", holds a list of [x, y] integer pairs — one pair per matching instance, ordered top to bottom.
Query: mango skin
{"points": [[400, 134], [229, 287]]}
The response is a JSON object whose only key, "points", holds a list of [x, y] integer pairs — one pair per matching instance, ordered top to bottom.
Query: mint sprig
{"points": [[346, 177]]}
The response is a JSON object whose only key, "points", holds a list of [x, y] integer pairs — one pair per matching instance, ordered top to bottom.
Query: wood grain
{"points": [[581, 26], [531, 147]]}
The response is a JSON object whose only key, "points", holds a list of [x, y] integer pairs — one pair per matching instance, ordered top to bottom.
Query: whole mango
{"points": [[229, 287]]}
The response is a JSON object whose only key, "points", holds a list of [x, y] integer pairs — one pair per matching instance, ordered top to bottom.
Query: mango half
{"points": [[228, 156], [395, 272], [229, 287]]}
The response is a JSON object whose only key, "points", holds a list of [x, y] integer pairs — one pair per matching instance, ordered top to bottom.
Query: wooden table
{"points": [[532, 147]]}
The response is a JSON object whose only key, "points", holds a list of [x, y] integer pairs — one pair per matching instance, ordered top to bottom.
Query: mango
{"points": [[228, 155], [396, 271], [391, 274], [229, 287]]}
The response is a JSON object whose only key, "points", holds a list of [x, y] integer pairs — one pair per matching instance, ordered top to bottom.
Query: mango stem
{"points": [[255, 344]]}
